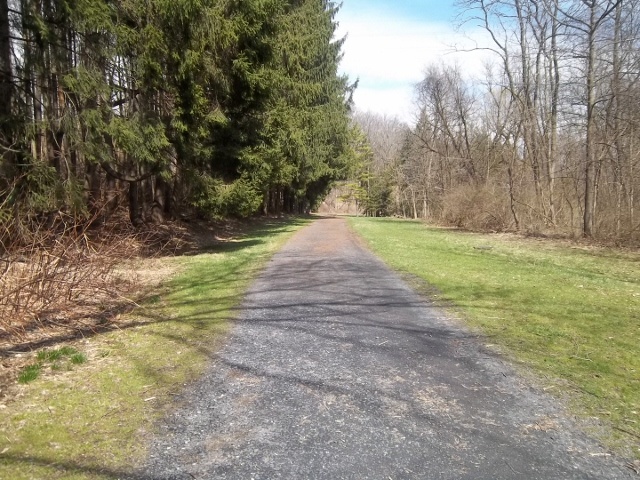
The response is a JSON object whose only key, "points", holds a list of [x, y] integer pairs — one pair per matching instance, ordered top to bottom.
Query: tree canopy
{"points": [[218, 107]]}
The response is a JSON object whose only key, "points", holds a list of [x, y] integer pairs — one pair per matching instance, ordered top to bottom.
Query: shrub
{"points": [[475, 207]]}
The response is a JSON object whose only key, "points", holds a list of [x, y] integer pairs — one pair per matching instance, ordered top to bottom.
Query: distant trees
{"points": [[215, 106], [548, 140], [376, 143]]}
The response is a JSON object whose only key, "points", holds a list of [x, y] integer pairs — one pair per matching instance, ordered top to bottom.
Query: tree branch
{"points": [[124, 177]]}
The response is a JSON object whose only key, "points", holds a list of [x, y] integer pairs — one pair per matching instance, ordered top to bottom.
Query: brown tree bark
{"points": [[6, 77], [589, 173]]}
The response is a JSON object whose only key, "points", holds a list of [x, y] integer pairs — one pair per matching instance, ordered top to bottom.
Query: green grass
{"points": [[570, 313], [56, 354], [78, 358], [56, 359], [29, 373], [92, 422]]}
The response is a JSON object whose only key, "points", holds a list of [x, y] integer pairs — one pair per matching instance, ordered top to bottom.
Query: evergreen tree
{"points": [[166, 105]]}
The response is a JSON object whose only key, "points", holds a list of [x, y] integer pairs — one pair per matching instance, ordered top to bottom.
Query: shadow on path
{"points": [[336, 369]]}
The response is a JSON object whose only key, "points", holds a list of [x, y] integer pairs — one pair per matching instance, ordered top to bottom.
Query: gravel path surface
{"points": [[338, 370]]}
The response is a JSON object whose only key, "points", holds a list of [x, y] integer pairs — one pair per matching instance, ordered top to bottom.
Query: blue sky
{"points": [[428, 10], [391, 43]]}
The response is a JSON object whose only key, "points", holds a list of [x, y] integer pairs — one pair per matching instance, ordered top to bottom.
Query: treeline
{"points": [[215, 107], [548, 141]]}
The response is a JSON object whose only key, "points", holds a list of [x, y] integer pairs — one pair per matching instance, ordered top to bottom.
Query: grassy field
{"points": [[569, 312], [89, 419]]}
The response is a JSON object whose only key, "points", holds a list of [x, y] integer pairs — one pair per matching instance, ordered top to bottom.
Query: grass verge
{"points": [[571, 313], [90, 422]]}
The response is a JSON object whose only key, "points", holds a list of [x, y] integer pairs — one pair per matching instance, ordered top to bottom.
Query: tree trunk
{"points": [[554, 76], [6, 78], [617, 112], [589, 174], [94, 189], [111, 196], [512, 199], [160, 205], [414, 207], [425, 208], [135, 212]]}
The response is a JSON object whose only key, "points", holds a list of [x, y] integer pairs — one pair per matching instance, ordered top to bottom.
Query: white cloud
{"points": [[390, 54], [391, 102]]}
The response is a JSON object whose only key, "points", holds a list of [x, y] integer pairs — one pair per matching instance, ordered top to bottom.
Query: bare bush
{"points": [[476, 208], [61, 277]]}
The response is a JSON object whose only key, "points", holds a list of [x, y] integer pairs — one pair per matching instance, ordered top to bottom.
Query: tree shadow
{"points": [[236, 235], [229, 246], [340, 302], [305, 305], [157, 307], [70, 467]]}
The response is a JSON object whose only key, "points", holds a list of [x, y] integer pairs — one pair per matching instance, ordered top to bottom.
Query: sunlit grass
{"points": [[572, 313], [92, 422]]}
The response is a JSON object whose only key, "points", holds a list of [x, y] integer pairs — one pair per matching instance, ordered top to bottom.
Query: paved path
{"points": [[337, 370]]}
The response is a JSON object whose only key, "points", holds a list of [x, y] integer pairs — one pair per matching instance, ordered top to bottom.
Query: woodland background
{"points": [[218, 107], [120, 115], [546, 142]]}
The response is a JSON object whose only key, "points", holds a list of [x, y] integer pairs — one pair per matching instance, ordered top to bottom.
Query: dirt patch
{"points": [[543, 424]]}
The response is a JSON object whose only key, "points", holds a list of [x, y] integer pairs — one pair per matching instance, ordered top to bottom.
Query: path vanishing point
{"points": [[336, 369]]}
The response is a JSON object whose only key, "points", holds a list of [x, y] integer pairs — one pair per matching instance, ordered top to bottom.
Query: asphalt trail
{"points": [[338, 370]]}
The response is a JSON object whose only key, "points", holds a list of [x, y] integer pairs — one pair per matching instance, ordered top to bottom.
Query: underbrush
{"points": [[64, 279], [45, 281]]}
